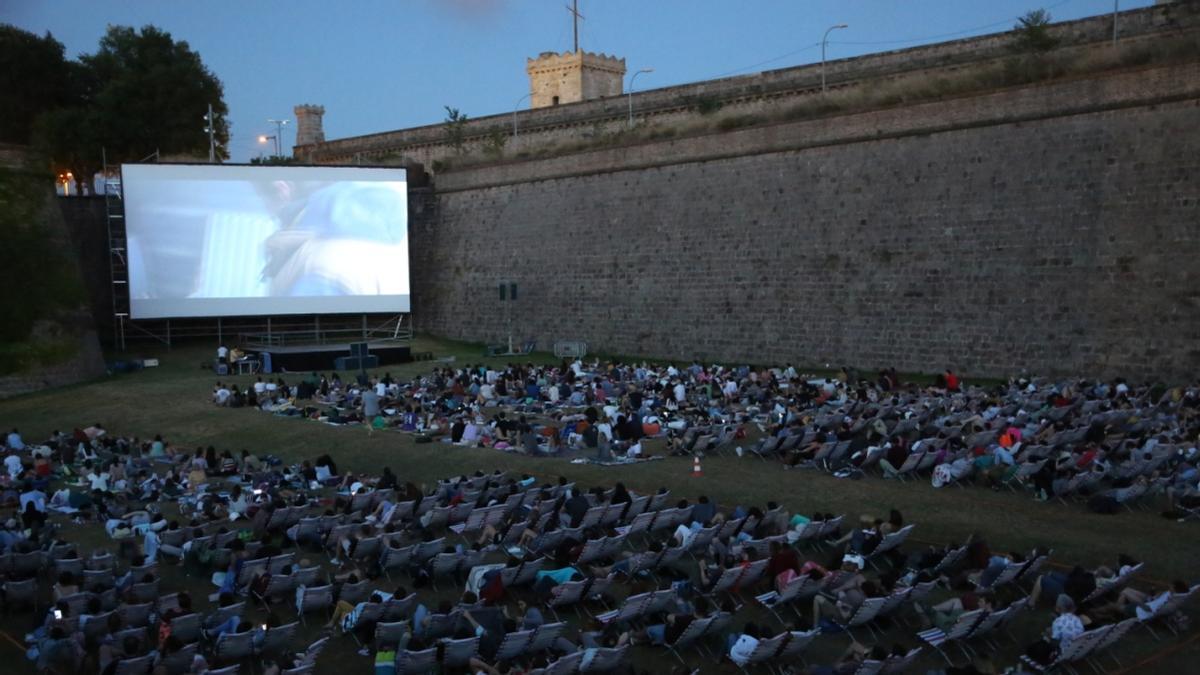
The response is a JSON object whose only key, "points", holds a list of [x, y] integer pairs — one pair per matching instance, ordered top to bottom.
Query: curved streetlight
{"points": [[825, 41], [631, 79], [515, 109], [278, 135], [264, 139]]}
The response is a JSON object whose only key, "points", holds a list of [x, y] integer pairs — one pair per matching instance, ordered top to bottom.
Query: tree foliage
{"points": [[1033, 32], [35, 77], [141, 91], [456, 129], [274, 160], [31, 256]]}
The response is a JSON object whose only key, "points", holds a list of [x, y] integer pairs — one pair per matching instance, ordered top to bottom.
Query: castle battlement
{"points": [[570, 77]]}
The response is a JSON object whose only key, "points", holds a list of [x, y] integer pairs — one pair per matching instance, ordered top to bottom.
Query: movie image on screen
{"points": [[212, 240]]}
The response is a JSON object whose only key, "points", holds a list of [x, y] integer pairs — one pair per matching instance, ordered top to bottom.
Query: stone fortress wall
{"points": [[755, 94], [1048, 228], [1051, 229]]}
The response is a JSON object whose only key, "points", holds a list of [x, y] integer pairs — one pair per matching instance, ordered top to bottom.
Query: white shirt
{"points": [[222, 352], [260, 387], [380, 389], [680, 392], [222, 396], [14, 441], [13, 463], [99, 482], [1154, 604], [741, 650]]}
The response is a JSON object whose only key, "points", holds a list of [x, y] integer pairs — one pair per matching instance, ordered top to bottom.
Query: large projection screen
{"points": [[210, 240]]}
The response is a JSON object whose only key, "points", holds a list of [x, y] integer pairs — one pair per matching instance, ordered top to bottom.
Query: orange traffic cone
{"points": [[696, 470]]}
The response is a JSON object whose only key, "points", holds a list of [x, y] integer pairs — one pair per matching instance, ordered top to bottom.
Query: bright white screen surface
{"points": [[212, 240]]}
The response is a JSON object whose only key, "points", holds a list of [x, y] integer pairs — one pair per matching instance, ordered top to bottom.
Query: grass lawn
{"points": [[173, 400]]}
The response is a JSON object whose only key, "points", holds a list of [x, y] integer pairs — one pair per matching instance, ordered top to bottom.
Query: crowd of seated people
{"points": [[1109, 442], [367, 553]]}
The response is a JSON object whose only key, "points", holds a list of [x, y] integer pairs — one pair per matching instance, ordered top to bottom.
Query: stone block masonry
{"points": [[1051, 229]]}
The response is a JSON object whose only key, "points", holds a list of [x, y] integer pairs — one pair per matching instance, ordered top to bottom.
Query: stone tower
{"points": [[573, 76], [309, 129]]}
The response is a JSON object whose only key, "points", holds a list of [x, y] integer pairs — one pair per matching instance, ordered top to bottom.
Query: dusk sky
{"points": [[381, 65]]}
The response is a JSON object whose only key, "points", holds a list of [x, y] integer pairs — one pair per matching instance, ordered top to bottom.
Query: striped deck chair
{"points": [[769, 446], [908, 469], [1024, 472], [637, 507], [641, 524], [307, 531], [804, 533], [890, 542], [426, 550], [950, 561], [444, 565], [1030, 571], [523, 574], [1006, 576], [728, 579], [1117, 583], [800, 588], [567, 594], [315, 598], [897, 599], [1173, 604], [631, 610], [221, 614], [135, 615], [863, 616], [998, 620], [962, 628], [695, 630], [390, 632], [1113, 636], [544, 637], [277, 640], [513, 645], [233, 647], [769, 648], [793, 649], [1075, 650], [458, 653], [605, 660], [180, 662], [417, 663], [900, 664], [136, 666], [869, 667]]}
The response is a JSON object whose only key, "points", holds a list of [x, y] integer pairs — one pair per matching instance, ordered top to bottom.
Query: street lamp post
{"points": [[1116, 10], [825, 41], [631, 79], [516, 108], [210, 128], [278, 135], [265, 138]]}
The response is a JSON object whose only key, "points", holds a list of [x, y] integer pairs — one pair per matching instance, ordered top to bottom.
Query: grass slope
{"points": [[173, 399]]}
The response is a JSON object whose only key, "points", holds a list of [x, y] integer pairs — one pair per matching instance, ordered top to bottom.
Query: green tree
{"points": [[1033, 32], [35, 77], [141, 91], [456, 129], [496, 139], [274, 160]]}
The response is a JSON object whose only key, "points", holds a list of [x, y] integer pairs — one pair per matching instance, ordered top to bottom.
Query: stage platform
{"points": [[320, 357]]}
